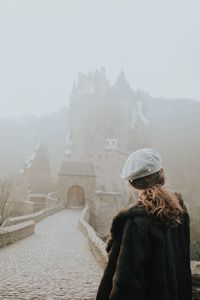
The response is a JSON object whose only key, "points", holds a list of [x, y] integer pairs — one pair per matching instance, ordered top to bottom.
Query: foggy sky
{"points": [[45, 43]]}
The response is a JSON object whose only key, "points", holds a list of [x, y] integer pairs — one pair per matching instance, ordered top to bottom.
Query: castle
{"points": [[105, 124]]}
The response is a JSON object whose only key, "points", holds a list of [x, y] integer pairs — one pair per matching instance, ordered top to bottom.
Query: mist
{"points": [[44, 44], [82, 85]]}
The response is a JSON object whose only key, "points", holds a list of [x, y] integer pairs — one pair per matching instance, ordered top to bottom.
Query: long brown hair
{"points": [[157, 199]]}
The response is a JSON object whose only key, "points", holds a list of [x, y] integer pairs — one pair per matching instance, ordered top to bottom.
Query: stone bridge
{"points": [[54, 263]]}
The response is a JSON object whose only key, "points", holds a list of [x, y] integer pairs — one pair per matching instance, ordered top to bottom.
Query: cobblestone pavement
{"points": [[55, 263]]}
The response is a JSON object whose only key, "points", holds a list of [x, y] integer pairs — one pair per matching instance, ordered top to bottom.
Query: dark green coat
{"points": [[148, 259]]}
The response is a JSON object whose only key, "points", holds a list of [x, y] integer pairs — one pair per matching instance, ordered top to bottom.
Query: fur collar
{"points": [[123, 215], [120, 219]]}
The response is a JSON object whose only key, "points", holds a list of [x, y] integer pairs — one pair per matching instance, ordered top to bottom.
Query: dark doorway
{"points": [[76, 196]]}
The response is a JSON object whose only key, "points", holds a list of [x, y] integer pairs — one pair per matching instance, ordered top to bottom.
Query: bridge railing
{"points": [[17, 228]]}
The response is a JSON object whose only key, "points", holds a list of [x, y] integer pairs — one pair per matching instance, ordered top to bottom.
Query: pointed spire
{"points": [[122, 78], [122, 87]]}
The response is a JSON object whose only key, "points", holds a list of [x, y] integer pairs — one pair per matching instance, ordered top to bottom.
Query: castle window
{"points": [[111, 143]]}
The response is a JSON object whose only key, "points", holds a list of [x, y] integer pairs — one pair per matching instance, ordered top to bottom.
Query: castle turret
{"points": [[38, 172]]}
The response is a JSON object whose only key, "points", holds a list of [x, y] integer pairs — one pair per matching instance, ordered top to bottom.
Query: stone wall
{"points": [[65, 182], [52, 200], [34, 203], [17, 208], [102, 210], [38, 216], [17, 228], [11, 234], [97, 246]]}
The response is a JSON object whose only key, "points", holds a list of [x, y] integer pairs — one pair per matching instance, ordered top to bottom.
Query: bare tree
{"points": [[6, 190]]}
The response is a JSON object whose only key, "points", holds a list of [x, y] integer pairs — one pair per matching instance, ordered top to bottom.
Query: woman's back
{"points": [[149, 244], [147, 259]]}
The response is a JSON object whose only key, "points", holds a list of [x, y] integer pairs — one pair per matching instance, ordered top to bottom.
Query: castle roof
{"points": [[39, 159], [71, 168]]}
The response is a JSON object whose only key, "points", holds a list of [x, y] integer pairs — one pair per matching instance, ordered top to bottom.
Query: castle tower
{"points": [[104, 124], [38, 172]]}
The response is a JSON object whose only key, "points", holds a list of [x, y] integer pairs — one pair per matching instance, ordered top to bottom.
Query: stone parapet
{"points": [[52, 200], [18, 208], [103, 208], [38, 216], [17, 228], [11, 234], [96, 244]]}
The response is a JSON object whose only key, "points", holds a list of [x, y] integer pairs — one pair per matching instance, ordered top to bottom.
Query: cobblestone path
{"points": [[55, 263]]}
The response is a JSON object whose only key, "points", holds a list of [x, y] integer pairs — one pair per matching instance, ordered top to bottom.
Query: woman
{"points": [[149, 243]]}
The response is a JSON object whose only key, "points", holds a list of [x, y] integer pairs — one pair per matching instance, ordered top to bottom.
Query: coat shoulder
{"points": [[135, 213]]}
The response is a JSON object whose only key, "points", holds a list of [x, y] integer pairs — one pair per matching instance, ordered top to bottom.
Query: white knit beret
{"points": [[141, 163]]}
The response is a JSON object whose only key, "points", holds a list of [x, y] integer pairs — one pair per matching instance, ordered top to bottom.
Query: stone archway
{"points": [[76, 196]]}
